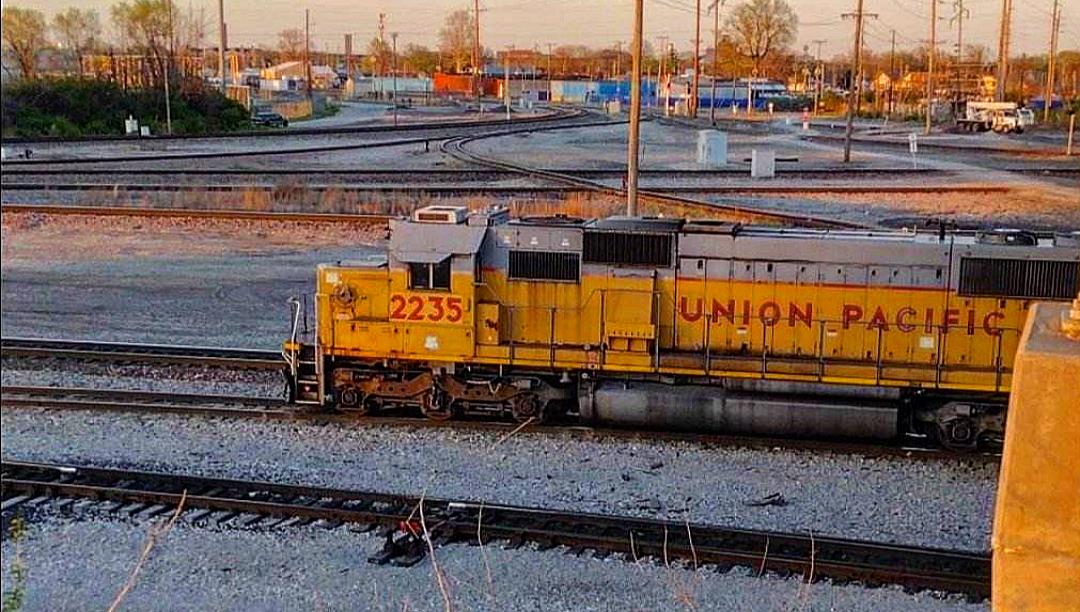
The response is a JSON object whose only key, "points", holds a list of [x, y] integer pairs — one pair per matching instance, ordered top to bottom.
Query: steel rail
{"points": [[497, 120], [534, 125], [456, 148], [448, 189], [132, 211], [137, 352], [145, 402], [816, 557]]}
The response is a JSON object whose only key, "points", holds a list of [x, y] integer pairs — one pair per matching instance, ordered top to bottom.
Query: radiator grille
{"points": [[628, 249], [544, 265], [1021, 278]]}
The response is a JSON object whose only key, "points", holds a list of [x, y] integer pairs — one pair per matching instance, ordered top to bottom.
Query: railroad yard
{"points": [[136, 247]]}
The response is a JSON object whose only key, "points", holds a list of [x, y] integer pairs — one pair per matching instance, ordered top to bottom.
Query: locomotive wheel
{"points": [[350, 401], [435, 406], [527, 406]]}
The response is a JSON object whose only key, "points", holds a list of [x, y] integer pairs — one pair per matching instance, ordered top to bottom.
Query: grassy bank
{"points": [[73, 107]]}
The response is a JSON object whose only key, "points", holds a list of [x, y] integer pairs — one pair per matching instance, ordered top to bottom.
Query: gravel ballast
{"points": [[893, 499], [82, 564]]}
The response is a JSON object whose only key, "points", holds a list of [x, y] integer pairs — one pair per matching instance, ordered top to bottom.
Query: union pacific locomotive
{"points": [[681, 324]]}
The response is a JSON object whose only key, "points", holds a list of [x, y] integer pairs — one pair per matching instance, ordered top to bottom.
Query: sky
{"points": [[602, 23]]}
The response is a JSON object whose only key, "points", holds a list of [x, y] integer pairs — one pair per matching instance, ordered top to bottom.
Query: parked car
{"points": [[274, 120]]}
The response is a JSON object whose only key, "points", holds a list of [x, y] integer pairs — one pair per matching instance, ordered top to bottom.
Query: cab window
{"points": [[430, 276]]}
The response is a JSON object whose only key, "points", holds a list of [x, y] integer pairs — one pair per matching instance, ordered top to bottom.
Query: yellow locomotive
{"points": [[682, 324]]}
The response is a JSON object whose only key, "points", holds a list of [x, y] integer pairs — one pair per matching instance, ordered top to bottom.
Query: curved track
{"points": [[559, 117], [456, 148], [449, 521]]}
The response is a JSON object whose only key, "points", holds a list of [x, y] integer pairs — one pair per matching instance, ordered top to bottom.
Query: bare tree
{"points": [[146, 26], [762, 27], [77, 30], [24, 34], [456, 38], [291, 44], [378, 55]]}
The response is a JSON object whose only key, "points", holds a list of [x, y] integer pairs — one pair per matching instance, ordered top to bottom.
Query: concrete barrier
{"points": [[762, 163], [1036, 540]]}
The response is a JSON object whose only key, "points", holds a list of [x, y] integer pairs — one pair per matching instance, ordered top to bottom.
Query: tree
{"points": [[147, 27], [761, 27], [77, 30], [24, 34], [456, 38], [291, 44], [378, 55], [420, 59]]}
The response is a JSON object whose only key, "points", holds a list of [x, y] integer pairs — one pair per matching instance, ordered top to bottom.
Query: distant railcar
{"points": [[682, 324]]}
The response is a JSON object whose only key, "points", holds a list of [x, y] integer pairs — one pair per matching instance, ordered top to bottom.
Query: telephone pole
{"points": [[715, 8], [958, 17], [1055, 26], [1004, 36], [393, 37], [221, 42], [307, 53], [932, 53], [476, 55], [819, 71], [549, 73], [892, 73], [854, 91], [691, 109], [635, 115]]}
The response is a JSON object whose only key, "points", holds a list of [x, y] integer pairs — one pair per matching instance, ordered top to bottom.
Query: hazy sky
{"points": [[525, 23]]}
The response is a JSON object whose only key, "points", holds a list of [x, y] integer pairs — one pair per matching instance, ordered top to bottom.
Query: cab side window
{"points": [[430, 276]]}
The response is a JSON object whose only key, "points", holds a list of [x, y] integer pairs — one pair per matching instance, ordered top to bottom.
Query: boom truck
{"points": [[1002, 117]]}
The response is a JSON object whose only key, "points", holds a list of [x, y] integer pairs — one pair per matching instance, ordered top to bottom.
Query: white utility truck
{"points": [[1002, 117]]}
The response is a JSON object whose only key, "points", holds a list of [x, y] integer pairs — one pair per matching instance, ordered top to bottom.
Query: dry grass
{"points": [[153, 536]]}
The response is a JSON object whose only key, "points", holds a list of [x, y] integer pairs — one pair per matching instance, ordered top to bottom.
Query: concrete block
{"points": [[712, 148], [762, 163], [1036, 539]]}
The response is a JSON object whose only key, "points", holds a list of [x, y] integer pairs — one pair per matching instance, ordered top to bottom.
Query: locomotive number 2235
{"points": [[435, 308]]}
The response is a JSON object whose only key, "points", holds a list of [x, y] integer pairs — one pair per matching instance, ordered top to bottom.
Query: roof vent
{"points": [[447, 215], [1010, 237]]}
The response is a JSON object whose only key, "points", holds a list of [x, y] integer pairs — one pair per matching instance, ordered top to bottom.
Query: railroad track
{"points": [[497, 119], [560, 119], [456, 148], [496, 190], [248, 215], [120, 352], [146, 402], [275, 408], [262, 505]]}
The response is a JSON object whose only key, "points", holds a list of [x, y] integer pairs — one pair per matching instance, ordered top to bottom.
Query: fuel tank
{"points": [[702, 408]]}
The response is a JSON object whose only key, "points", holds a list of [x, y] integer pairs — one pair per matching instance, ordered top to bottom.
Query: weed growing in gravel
{"points": [[13, 598]]}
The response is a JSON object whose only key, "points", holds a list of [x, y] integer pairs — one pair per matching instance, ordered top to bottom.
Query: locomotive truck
{"points": [[681, 324]]}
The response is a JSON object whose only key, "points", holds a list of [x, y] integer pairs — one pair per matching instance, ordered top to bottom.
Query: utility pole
{"points": [[715, 8], [958, 17], [1055, 25], [1004, 36], [393, 37], [221, 42], [932, 52], [307, 54], [348, 56], [168, 70], [819, 70], [892, 72], [549, 73], [506, 81], [477, 87], [854, 91], [691, 109], [635, 115]]}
